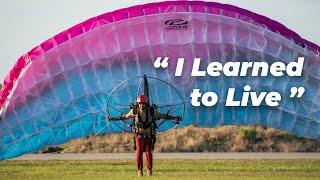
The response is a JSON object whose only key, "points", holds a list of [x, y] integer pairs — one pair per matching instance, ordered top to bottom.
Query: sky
{"points": [[24, 24]]}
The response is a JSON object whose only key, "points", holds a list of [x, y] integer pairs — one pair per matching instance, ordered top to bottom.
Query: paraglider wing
{"points": [[59, 90]]}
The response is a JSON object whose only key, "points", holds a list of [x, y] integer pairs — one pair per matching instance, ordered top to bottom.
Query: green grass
{"points": [[163, 169]]}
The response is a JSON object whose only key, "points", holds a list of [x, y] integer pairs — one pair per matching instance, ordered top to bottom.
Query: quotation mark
{"points": [[161, 62], [297, 92]]}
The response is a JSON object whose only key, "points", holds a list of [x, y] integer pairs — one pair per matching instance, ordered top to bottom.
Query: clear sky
{"points": [[25, 24]]}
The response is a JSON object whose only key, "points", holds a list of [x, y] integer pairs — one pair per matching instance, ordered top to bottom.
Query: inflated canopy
{"points": [[59, 90]]}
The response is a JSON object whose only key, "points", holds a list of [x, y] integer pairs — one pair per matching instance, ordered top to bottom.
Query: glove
{"points": [[110, 118], [178, 119]]}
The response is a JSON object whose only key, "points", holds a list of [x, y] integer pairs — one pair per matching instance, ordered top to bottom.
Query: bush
{"points": [[249, 134], [52, 149]]}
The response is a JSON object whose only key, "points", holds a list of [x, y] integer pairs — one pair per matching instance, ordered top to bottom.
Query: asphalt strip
{"points": [[110, 156]]}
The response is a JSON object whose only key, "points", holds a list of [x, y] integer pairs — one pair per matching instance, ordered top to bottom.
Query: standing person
{"points": [[144, 130]]}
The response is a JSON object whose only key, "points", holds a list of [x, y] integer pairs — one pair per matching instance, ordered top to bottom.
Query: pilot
{"points": [[144, 130]]}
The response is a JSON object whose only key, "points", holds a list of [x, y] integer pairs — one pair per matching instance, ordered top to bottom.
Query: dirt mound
{"points": [[196, 139]]}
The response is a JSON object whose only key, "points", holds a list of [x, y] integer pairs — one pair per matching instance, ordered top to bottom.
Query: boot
{"points": [[149, 172], [140, 173]]}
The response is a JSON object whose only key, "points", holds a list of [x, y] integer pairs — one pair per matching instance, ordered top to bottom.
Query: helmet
{"points": [[142, 99]]}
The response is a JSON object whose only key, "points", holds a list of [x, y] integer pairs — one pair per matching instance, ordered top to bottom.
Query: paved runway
{"points": [[109, 156]]}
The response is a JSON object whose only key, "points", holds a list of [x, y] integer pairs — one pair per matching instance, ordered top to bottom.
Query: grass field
{"points": [[163, 169]]}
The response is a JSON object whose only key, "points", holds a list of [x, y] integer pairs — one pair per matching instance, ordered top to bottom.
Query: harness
{"points": [[150, 120], [149, 123]]}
